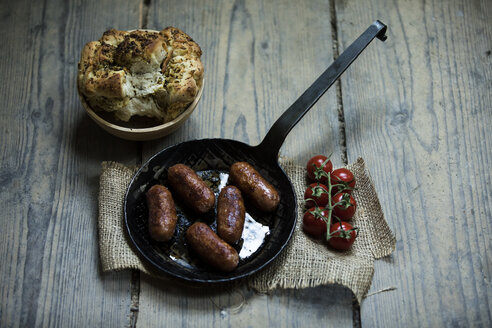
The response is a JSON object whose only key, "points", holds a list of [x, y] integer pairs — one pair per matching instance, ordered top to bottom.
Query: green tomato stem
{"points": [[330, 209]]}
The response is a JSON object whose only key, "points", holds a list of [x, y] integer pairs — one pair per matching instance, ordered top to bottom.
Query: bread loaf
{"points": [[145, 73]]}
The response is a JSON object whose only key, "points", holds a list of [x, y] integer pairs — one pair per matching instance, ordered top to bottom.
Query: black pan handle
{"points": [[270, 146]]}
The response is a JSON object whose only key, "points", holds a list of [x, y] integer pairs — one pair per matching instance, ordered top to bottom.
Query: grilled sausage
{"points": [[254, 187], [191, 188], [162, 213], [230, 214], [210, 248]]}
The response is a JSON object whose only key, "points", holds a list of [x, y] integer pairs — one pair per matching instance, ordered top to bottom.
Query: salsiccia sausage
{"points": [[254, 187], [191, 188], [162, 213], [230, 214], [210, 248]]}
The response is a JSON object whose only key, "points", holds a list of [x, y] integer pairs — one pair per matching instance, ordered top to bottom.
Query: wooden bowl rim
{"points": [[181, 117]]}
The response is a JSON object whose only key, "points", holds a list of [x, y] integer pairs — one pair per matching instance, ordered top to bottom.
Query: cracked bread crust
{"points": [[144, 73]]}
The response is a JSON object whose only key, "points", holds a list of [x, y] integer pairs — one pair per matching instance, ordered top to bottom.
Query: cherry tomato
{"points": [[318, 167], [345, 178], [316, 194], [346, 209], [313, 222], [342, 236]]}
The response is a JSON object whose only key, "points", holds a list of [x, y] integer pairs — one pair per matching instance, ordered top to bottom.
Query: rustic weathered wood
{"points": [[259, 56], [417, 109], [50, 155], [183, 306]]}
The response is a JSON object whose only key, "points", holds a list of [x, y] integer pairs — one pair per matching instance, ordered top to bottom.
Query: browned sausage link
{"points": [[254, 187], [191, 188], [162, 213], [230, 214], [210, 248]]}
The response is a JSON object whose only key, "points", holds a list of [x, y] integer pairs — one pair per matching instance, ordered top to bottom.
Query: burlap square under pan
{"points": [[304, 263]]}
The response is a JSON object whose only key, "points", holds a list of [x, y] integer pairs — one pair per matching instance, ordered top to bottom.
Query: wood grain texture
{"points": [[259, 56], [417, 109], [50, 156], [183, 306]]}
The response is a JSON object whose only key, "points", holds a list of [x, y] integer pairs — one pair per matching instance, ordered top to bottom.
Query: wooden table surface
{"points": [[417, 108]]}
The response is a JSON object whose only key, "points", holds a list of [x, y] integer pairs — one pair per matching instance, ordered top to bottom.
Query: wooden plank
{"points": [[259, 56], [417, 108], [50, 157], [178, 305]]}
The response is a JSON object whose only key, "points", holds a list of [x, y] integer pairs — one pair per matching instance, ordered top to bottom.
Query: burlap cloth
{"points": [[304, 263]]}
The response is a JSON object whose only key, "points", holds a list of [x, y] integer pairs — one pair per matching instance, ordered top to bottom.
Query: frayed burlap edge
{"points": [[114, 245], [304, 263], [309, 263]]}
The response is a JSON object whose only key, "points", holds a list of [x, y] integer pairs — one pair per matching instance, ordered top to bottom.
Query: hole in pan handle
{"points": [[275, 137]]}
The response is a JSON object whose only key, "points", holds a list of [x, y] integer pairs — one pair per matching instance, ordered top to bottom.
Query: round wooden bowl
{"points": [[138, 131], [135, 132]]}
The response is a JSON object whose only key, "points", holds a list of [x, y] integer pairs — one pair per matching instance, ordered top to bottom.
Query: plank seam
{"points": [[144, 13], [338, 85], [135, 278], [135, 297], [356, 322]]}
